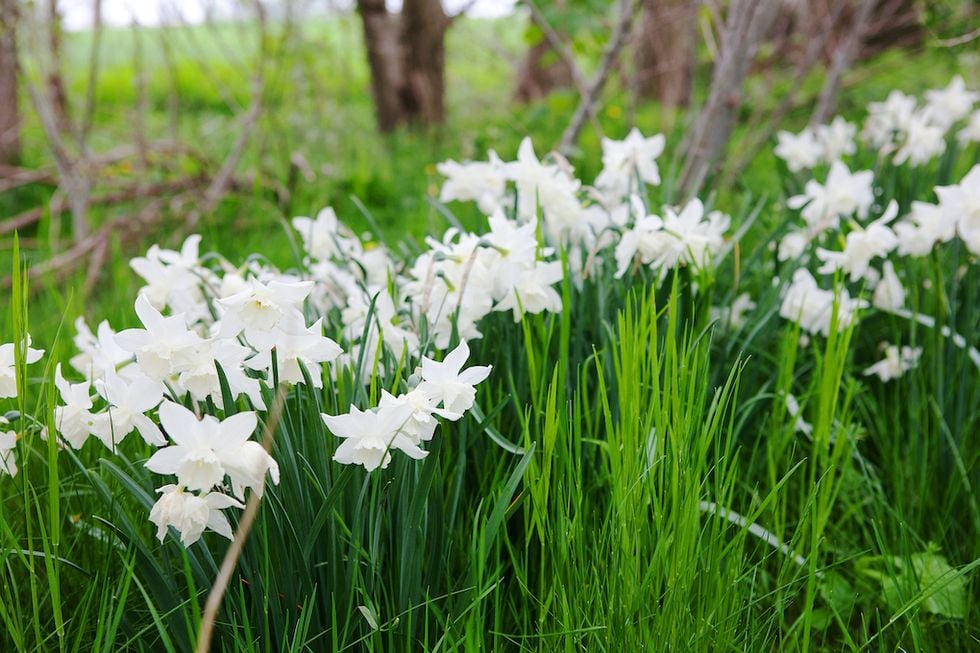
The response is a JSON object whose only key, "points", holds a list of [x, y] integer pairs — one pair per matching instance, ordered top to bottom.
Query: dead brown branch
{"points": [[959, 40], [565, 54], [14, 177]]}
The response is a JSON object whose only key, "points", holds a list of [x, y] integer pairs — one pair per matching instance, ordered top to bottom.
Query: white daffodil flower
{"points": [[800, 151], [629, 161], [474, 181], [844, 194], [960, 203], [862, 245], [162, 345], [295, 345], [897, 361], [8, 376], [447, 382], [129, 401], [73, 418], [370, 436], [204, 449], [8, 453], [191, 514]]}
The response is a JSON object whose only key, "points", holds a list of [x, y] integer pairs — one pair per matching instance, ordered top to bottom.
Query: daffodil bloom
{"points": [[800, 151], [629, 161], [477, 181], [844, 194], [960, 203], [161, 344], [897, 361], [8, 378], [447, 382], [129, 401], [73, 418], [370, 436], [205, 449], [8, 453], [191, 514]]}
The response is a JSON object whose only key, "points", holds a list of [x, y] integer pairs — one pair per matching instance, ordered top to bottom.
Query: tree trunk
{"points": [[424, 26], [406, 54], [665, 54], [541, 72], [9, 110]]}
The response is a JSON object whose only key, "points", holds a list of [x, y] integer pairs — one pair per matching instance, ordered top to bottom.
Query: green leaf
{"points": [[941, 587]]}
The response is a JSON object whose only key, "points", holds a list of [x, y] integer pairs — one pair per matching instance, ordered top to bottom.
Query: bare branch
{"points": [[959, 40], [556, 43], [803, 68], [93, 70], [588, 101], [73, 181]]}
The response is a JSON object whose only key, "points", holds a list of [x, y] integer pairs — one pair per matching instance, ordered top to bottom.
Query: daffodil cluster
{"points": [[896, 128], [851, 236], [216, 340]]}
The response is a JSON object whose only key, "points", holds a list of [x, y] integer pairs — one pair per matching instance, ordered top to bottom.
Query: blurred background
{"points": [[125, 122]]}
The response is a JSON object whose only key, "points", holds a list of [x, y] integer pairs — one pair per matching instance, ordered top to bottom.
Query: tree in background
{"points": [[666, 51], [406, 54], [9, 110]]}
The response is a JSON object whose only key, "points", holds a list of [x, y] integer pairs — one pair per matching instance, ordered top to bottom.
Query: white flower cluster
{"points": [[896, 127], [821, 144], [837, 212], [957, 213], [590, 219], [213, 333], [897, 361]]}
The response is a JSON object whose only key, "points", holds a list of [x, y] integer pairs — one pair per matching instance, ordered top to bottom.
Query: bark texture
{"points": [[665, 51], [406, 54], [9, 109]]}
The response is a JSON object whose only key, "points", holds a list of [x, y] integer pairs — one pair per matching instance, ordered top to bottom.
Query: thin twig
{"points": [[746, 25], [959, 40], [556, 43], [810, 58], [93, 70], [13, 177], [234, 552]]}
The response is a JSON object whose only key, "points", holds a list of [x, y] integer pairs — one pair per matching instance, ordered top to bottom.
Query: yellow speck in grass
{"points": [[614, 112], [430, 169]]}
